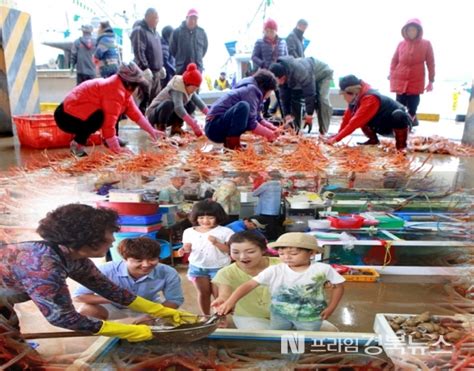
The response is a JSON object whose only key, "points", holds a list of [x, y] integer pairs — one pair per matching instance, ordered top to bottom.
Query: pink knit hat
{"points": [[192, 13], [271, 24], [192, 76]]}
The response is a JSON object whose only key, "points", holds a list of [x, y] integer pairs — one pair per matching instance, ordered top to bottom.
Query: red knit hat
{"points": [[271, 24], [192, 76]]}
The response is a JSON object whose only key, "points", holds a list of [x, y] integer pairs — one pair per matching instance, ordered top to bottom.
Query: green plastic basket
{"points": [[389, 221]]}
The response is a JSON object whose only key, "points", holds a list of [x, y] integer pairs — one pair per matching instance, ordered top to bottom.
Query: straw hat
{"points": [[296, 239]]}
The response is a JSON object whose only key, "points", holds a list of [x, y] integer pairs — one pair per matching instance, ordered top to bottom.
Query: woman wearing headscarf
{"points": [[97, 104]]}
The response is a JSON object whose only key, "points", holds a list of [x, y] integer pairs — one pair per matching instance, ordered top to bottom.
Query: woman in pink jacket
{"points": [[407, 70], [97, 104]]}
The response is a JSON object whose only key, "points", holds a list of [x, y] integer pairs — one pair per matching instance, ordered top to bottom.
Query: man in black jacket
{"points": [[294, 41], [146, 43], [188, 43]]}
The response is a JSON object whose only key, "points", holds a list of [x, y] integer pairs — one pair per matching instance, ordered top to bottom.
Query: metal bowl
{"points": [[186, 333]]}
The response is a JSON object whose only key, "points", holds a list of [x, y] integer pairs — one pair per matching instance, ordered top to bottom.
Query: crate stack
{"points": [[137, 218]]}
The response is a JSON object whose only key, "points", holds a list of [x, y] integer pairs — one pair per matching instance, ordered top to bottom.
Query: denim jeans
{"points": [[233, 123], [281, 323]]}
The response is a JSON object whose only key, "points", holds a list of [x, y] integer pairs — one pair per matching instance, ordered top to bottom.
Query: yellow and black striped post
{"points": [[19, 91], [468, 135]]}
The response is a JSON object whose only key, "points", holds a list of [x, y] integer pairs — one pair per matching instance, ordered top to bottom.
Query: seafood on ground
{"points": [[434, 144], [307, 156]]}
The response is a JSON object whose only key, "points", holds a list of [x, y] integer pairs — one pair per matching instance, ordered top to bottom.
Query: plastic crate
{"points": [[40, 131], [131, 208], [140, 219], [385, 220], [140, 228], [362, 277]]}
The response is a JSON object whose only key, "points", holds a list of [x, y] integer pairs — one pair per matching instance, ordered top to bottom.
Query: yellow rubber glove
{"points": [[178, 317], [131, 333]]}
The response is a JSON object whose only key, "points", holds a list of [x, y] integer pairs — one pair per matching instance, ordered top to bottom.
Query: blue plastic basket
{"points": [[140, 219], [165, 249]]}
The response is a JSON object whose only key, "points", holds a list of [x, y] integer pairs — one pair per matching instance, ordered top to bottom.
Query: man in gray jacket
{"points": [[294, 41], [146, 43], [188, 43], [82, 52], [308, 79]]}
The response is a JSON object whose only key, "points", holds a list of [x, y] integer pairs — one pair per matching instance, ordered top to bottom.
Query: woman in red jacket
{"points": [[407, 70], [97, 104]]}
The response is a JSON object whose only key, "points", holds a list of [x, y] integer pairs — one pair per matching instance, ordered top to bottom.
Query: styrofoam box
{"points": [[319, 224], [395, 346]]}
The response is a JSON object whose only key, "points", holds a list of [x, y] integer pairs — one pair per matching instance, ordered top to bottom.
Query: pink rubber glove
{"points": [[205, 110], [268, 124], [194, 125], [146, 126], [268, 134], [331, 140], [113, 144]]}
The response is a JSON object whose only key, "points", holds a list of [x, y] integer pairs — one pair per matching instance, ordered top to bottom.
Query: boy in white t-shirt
{"points": [[296, 285]]}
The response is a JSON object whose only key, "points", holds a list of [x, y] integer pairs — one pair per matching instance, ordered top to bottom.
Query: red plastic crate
{"points": [[40, 131], [131, 208]]}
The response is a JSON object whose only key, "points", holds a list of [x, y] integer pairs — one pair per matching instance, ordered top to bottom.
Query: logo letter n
{"points": [[294, 342]]}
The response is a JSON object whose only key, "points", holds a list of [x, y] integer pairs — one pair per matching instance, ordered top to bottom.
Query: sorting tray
{"points": [[373, 277]]}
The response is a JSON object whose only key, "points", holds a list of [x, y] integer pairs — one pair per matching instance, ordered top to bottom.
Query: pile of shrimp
{"points": [[307, 156], [250, 160]]}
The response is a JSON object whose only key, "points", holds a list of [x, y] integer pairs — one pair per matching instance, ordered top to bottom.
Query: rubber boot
{"points": [[371, 134], [401, 136], [232, 143]]}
